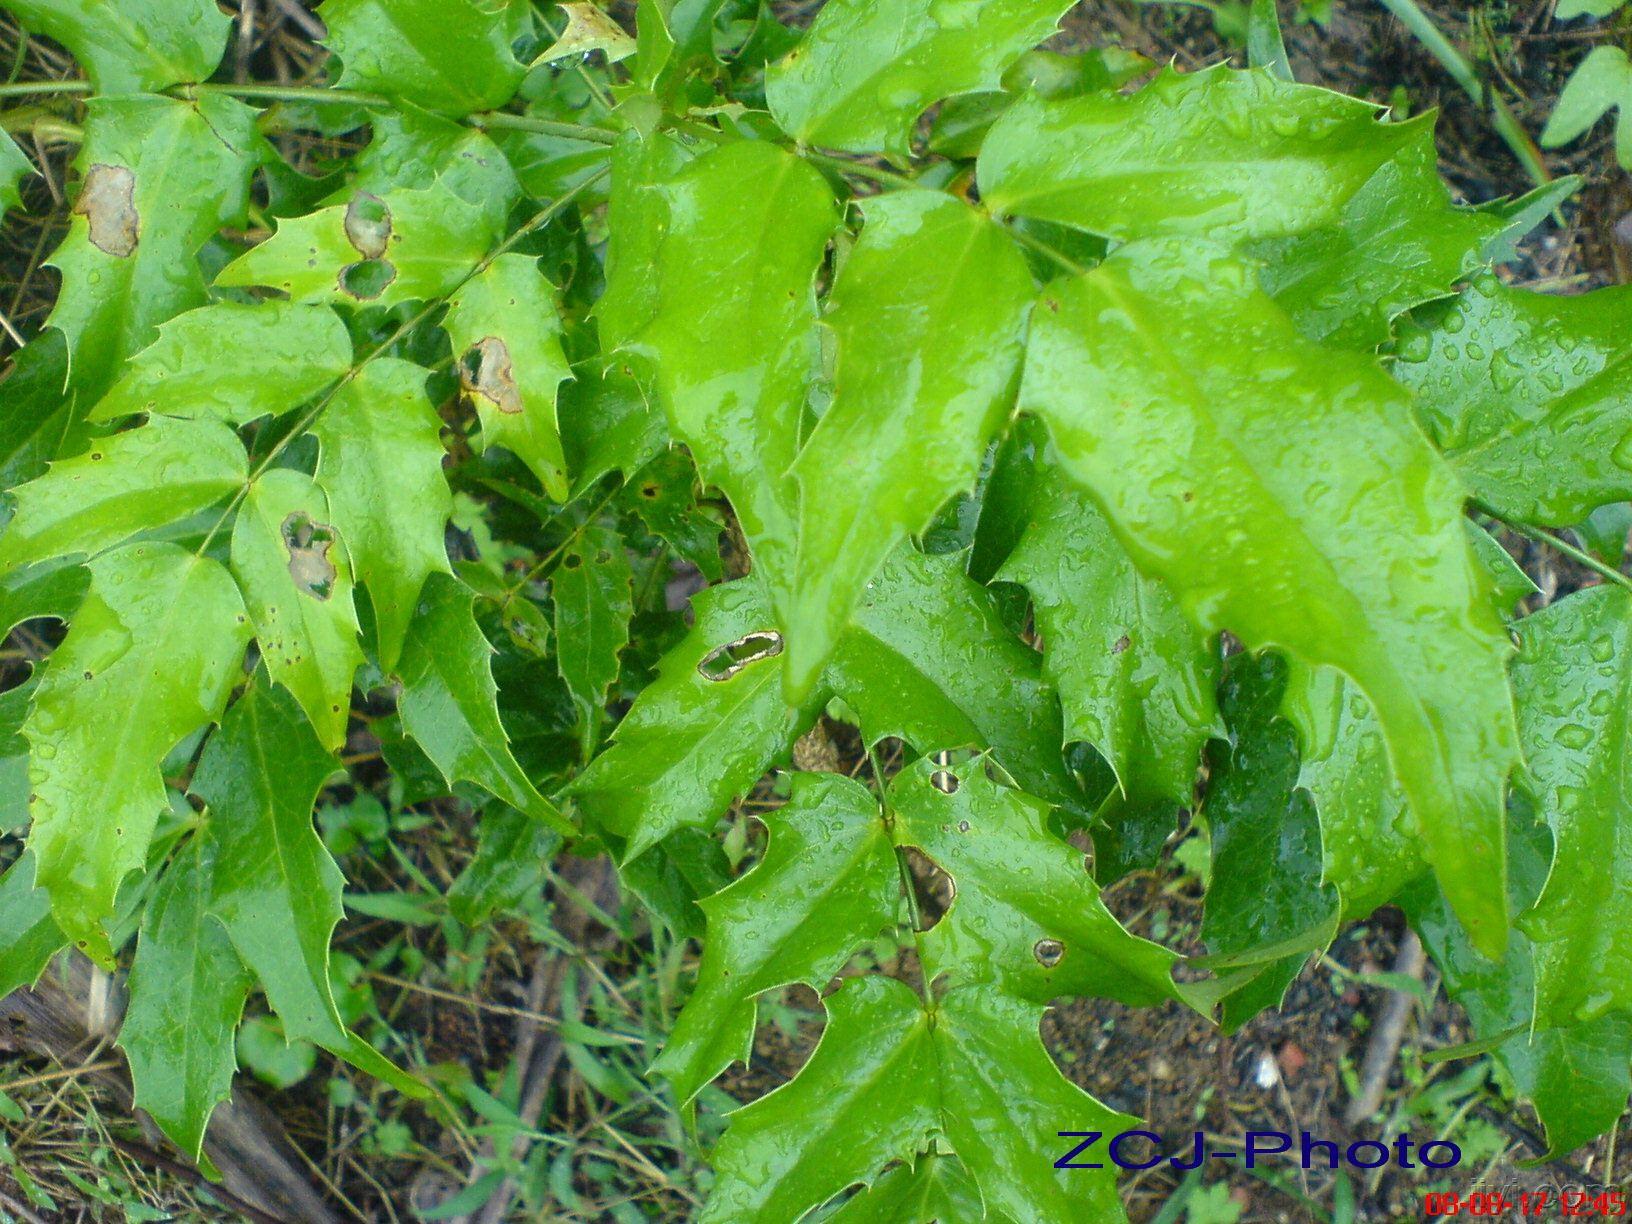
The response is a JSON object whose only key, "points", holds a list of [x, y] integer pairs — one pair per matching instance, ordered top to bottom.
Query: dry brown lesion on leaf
{"points": [[107, 201], [368, 224], [487, 372], [308, 543], [725, 661]]}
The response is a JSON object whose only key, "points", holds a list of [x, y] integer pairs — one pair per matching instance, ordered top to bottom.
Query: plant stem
{"points": [[20, 89], [318, 94], [550, 127], [1575, 554]]}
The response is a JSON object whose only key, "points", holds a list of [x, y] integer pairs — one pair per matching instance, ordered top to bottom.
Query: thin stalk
{"points": [[20, 89], [321, 95], [550, 127], [879, 175], [1575, 554]]}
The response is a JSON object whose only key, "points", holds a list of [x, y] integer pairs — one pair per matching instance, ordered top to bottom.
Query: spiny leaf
{"points": [[588, 29], [134, 45], [451, 56], [868, 68], [1221, 154], [14, 164], [642, 167], [158, 178], [929, 315], [731, 329], [506, 334], [232, 362], [1529, 396], [39, 412], [380, 463], [129, 482], [1293, 503], [292, 568], [1509, 582], [594, 599], [150, 657], [1136, 679], [1573, 682], [449, 701], [14, 703], [513, 852], [827, 883], [274, 887], [1025, 915], [29, 937], [187, 991], [933, 1189]]}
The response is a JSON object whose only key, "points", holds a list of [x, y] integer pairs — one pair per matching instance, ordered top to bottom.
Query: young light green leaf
{"points": [[1568, 9], [588, 29], [136, 45], [451, 56], [868, 68], [1602, 83], [1221, 154], [14, 164], [642, 167], [158, 178], [929, 315], [731, 330], [506, 333], [233, 362], [1529, 396], [380, 463], [126, 483], [1294, 503], [292, 568], [594, 600], [150, 657], [1136, 679], [1573, 682], [449, 703], [702, 732], [827, 883], [274, 887], [1026, 917], [29, 936], [187, 991]]}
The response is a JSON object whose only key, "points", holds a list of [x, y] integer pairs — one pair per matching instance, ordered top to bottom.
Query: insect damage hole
{"points": [[107, 201], [368, 225], [367, 278], [487, 372], [308, 544], [723, 662], [933, 887], [1049, 952]]}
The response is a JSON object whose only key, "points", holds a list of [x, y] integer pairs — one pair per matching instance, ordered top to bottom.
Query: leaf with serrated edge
{"points": [[134, 45], [451, 56], [868, 68], [1222, 155], [14, 165], [641, 169], [128, 262], [929, 315], [506, 333], [731, 333], [233, 362], [1529, 396], [380, 462], [129, 482], [1294, 503], [292, 568], [594, 601], [150, 657], [1136, 679], [449, 703], [513, 853], [828, 882], [274, 887], [1025, 914], [29, 937], [187, 991], [933, 1189]]}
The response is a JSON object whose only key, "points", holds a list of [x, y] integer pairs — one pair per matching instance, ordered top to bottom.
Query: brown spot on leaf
{"points": [[107, 201], [368, 225], [367, 278], [486, 372], [308, 544], [1121, 644], [723, 662], [1049, 952]]}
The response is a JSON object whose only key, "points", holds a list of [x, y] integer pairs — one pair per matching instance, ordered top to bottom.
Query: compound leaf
{"points": [[136, 45], [451, 56]]}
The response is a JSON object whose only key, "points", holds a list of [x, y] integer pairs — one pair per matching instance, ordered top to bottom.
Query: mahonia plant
{"points": [[1017, 383]]}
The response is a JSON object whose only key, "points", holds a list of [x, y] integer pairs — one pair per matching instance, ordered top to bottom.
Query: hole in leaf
{"points": [[107, 201], [368, 225], [367, 278], [486, 372], [308, 544], [571, 561], [1121, 644], [723, 662], [945, 781], [933, 888], [1049, 952]]}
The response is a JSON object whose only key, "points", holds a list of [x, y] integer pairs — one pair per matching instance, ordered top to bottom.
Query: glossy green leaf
{"points": [[135, 45], [451, 56], [868, 68], [1220, 154], [14, 165], [642, 167], [158, 177], [929, 316], [730, 329], [506, 333], [233, 362], [1529, 396], [36, 412], [380, 463], [127, 483], [1293, 502], [292, 567], [1510, 581], [594, 600], [150, 657], [1136, 679], [449, 701], [14, 703], [703, 731], [513, 852], [827, 883], [274, 887], [1026, 916], [29, 936], [187, 991], [934, 1189]]}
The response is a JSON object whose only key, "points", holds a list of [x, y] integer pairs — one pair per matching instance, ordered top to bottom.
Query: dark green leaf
{"points": [[594, 600]]}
